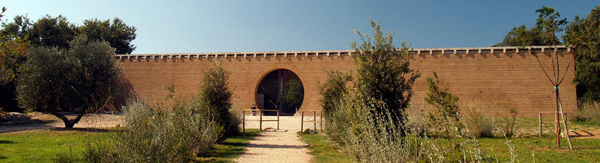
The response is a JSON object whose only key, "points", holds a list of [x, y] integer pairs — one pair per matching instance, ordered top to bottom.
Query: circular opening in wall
{"points": [[280, 90]]}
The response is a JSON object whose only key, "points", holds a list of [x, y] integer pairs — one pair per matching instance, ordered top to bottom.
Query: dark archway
{"points": [[280, 90]]}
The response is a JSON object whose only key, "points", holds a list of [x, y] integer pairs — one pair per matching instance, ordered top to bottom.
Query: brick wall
{"points": [[479, 79]]}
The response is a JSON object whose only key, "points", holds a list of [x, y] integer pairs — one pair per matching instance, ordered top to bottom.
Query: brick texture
{"points": [[479, 79]]}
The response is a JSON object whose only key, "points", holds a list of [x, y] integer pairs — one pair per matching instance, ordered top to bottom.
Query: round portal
{"points": [[280, 90]]}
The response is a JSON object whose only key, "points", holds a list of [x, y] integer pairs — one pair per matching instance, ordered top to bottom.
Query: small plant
{"points": [[446, 112], [477, 123], [506, 124], [64, 158]]}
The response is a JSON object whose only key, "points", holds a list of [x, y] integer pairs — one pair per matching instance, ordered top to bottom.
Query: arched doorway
{"points": [[280, 90]]}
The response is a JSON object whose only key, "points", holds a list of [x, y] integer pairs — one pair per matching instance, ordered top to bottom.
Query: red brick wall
{"points": [[485, 79]]}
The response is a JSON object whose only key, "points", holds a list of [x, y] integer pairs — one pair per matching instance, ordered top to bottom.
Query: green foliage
{"points": [[550, 23], [20, 27], [51, 31], [57, 31], [544, 32], [118, 34], [584, 35], [521, 36], [12, 55], [384, 78], [83, 79], [332, 91], [216, 95], [332, 96], [446, 112], [506, 124], [159, 134], [322, 149]]}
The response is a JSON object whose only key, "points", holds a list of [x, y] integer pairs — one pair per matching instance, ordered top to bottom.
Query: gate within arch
{"points": [[282, 90]]}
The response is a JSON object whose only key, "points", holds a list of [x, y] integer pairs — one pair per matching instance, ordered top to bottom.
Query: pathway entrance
{"points": [[283, 145]]}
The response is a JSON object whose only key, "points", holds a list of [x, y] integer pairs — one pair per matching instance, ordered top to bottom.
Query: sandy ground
{"points": [[88, 121], [281, 145]]}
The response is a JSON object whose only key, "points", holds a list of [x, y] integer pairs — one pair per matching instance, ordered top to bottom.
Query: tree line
{"points": [[582, 33], [72, 62]]}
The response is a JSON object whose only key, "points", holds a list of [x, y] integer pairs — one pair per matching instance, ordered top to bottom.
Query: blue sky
{"points": [[196, 26]]}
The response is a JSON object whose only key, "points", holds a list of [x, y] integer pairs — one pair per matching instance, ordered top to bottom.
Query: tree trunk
{"points": [[69, 123]]}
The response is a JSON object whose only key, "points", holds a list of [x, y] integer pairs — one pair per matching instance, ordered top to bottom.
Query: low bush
{"points": [[589, 112], [417, 121], [477, 123], [506, 124], [159, 134]]}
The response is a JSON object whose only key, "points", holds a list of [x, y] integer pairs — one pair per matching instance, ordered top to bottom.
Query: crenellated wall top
{"points": [[465, 50]]}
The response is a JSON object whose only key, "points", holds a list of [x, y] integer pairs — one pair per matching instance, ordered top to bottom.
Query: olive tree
{"points": [[82, 79]]}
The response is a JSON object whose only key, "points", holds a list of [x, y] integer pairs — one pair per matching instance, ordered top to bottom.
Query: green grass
{"points": [[43, 145], [231, 148], [322, 149], [586, 150]]}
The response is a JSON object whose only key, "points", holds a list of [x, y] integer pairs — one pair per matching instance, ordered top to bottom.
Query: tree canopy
{"points": [[57, 31], [117, 33], [543, 33], [584, 35], [82, 79]]}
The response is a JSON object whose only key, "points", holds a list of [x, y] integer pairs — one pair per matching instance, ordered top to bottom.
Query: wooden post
{"points": [[278, 119], [260, 120], [244, 121], [315, 121], [321, 121], [302, 122], [541, 125]]}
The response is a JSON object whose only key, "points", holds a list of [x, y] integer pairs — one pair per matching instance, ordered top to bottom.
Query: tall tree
{"points": [[20, 27], [51, 31], [543, 33], [118, 34], [584, 35], [13, 52], [82, 79]]}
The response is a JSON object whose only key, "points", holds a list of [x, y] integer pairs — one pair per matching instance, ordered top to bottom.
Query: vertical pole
{"points": [[280, 96], [557, 117], [278, 119], [260, 120], [244, 121], [302, 121], [315, 121], [321, 121], [540, 125]]}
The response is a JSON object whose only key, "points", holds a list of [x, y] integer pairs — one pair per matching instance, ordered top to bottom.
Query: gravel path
{"points": [[281, 145]]}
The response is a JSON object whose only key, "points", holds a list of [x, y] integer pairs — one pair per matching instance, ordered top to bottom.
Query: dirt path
{"points": [[282, 145]]}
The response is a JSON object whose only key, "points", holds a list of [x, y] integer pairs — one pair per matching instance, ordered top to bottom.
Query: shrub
{"points": [[383, 76], [333, 91], [216, 95], [446, 112], [588, 112], [417, 121], [477, 124], [506, 124], [157, 134]]}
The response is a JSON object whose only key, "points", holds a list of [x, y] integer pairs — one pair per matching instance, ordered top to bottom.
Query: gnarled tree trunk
{"points": [[69, 123]]}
